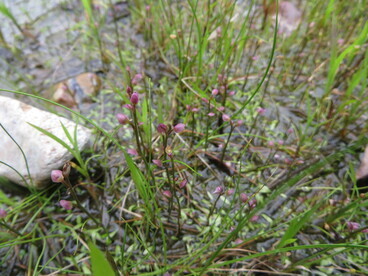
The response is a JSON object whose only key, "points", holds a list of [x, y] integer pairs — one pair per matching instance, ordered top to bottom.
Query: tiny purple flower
{"points": [[232, 93], [134, 99], [205, 100], [221, 108], [195, 109], [211, 114], [122, 118], [226, 118], [162, 128], [179, 128], [271, 143], [132, 152], [157, 162], [57, 176], [219, 190], [167, 193], [243, 197], [66, 204], [3, 213], [254, 218], [352, 225], [365, 230]]}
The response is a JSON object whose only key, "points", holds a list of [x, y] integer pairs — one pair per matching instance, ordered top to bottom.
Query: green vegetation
{"points": [[238, 153]]}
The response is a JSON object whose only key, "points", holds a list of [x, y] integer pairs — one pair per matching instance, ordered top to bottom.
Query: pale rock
{"points": [[42, 152]]}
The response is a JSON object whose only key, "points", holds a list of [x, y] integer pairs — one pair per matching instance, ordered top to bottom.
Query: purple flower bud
{"points": [[129, 90], [215, 92], [232, 93], [134, 99], [205, 100], [188, 107], [221, 108], [195, 109], [261, 111], [211, 114], [122, 118], [226, 118], [239, 123], [162, 128], [179, 128], [290, 130], [271, 143], [132, 152], [157, 162], [57, 176], [183, 183], [219, 190], [230, 192], [167, 193], [243, 197], [252, 203], [66, 204], [3, 213], [254, 218], [352, 225], [365, 230], [238, 241]]}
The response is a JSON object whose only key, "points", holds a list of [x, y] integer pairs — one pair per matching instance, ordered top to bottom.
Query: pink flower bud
{"points": [[137, 78], [215, 92], [232, 93], [134, 99], [205, 100], [128, 106], [221, 108], [195, 109], [261, 111], [211, 114], [122, 118], [226, 118], [239, 123], [162, 128], [179, 128], [132, 152], [157, 162], [57, 176], [183, 183], [219, 190], [230, 192], [167, 194], [243, 197], [252, 203], [66, 204], [3, 213], [254, 218], [352, 225]]}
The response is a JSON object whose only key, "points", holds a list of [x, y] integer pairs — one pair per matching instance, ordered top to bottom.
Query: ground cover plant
{"points": [[223, 145]]}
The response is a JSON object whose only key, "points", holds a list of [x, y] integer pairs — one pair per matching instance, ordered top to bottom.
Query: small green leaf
{"points": [[100, 266]]}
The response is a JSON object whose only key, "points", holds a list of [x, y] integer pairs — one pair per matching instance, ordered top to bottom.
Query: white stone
{"points": [[43, 154]]}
